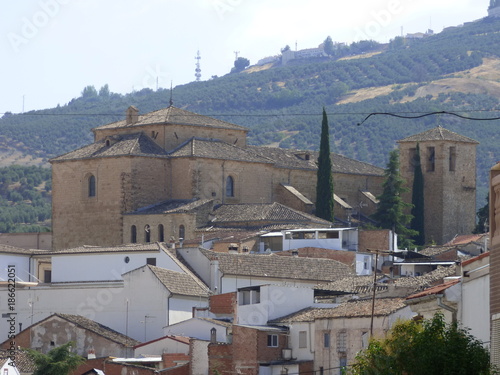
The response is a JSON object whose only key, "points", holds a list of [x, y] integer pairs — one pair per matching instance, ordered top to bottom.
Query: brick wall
{"points": [[373, 239], [346, 257], [223, 303], [220, 358], [173, 359]]}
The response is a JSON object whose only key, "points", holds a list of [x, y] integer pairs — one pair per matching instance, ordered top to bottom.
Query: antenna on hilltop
{"points": [[236, 55], [197, 70]]}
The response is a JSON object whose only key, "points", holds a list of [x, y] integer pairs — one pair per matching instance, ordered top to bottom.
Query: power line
{"points": [[432, 114], [402, 115]]}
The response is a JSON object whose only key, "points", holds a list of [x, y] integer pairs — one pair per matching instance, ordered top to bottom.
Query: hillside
{"points": [[457, 70]]}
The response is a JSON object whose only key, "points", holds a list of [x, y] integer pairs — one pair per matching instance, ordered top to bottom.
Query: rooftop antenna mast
{"points": [[198, 70], [171, 101]]}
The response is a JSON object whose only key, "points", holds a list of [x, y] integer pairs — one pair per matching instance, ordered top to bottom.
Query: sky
{"points": [[52, 49]]}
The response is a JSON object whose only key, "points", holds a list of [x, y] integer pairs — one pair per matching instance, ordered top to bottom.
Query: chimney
{"points": [[132, 115], [91, 354]]}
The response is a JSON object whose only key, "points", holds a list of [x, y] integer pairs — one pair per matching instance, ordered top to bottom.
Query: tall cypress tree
{"points": [[324, 185], [417, 200], [390, 211]]}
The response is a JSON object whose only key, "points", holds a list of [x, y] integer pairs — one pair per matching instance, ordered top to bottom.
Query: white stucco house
{"points": [[226, 272], [134, 289]]}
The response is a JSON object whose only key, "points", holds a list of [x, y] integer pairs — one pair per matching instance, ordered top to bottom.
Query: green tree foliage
{"points": [[328, 46], [240, 64], [324, 185], [25, 199], [417, 200], [390, 212], [482, 217], [428, 347], [58, 361]]}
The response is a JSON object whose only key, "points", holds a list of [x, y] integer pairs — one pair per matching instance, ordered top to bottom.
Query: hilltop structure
{"points": [[494, 8], [449, 170], [162, 175]]}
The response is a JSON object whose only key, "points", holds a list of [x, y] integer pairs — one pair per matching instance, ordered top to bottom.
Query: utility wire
{"points": [[284, 114], [430, 114]]}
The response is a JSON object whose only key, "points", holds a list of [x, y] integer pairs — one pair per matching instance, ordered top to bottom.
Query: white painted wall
{"points": [[348, 239], [21, 263], [199, 263], [364, 264], [105, 266], [231, 283], [140, 297], [275, 301], [181, 307], [475, 307], [196, 328], [164, 345], [306, 353], [199, 357], [7, 369]]}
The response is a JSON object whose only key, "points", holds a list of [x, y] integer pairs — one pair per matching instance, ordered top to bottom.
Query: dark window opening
{"points": [[107, 143], [412, 158], [453, 158], [431, 159], [229, 187], [92, 189], [182, 232], [147, 233], [161, 233], [133, 234], [151, 261], [47, 276], [326, 340], [272, 341]]}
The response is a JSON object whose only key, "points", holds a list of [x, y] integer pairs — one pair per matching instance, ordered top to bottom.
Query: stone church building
{"points": [[448, 162], [167, 173], [171, 174]]}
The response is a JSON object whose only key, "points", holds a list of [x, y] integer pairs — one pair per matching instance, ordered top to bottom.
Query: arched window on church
{"points": [[91, 182], [229, 187], [182, 232], [147, 233], [161, 233], [133, 234]]}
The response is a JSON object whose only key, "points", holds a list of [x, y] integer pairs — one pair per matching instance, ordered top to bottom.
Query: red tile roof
{"points": [[438, 289]]}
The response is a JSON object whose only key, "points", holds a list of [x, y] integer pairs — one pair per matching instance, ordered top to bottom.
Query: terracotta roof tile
{"points": [[174, 116], [438, 134], [137, 144], [216, 149], [290, 158], [172, 206], [267, 212], [466, 239], [109, 249], [436, 250], [274, 266], [180, 283], [407, 285], [438, 289], [350, 309], [98, 328], [23, 361]]}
